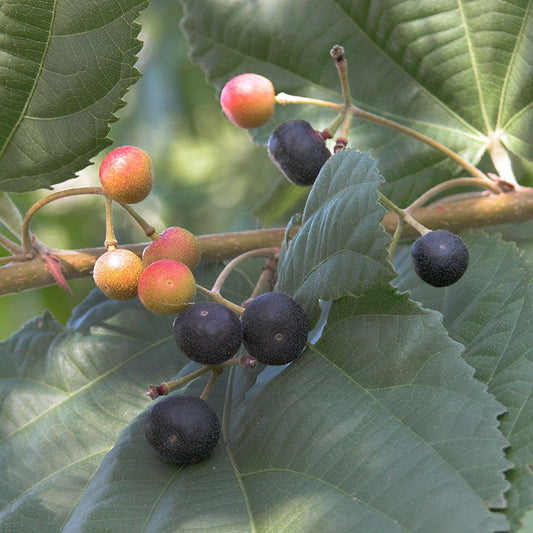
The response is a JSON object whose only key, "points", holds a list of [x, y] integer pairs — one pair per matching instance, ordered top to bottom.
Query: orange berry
{"points": [[126, 174], [117, 272]]}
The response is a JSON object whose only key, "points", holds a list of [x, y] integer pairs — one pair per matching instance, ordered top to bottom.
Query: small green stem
{"points": [[337, 52], [284, 98], [382, 121], [334, 126], [451, 184], [402, 214], [149, 230], [25, 231], [395, 238], [110, 239], [9, 245], [260, 252], [18, 258], [267, 274], [216, 297], [215, 372], [167, 387]]}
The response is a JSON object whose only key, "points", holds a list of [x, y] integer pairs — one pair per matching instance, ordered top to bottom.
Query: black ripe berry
{"points": [[298, 151], [440, 258], [275, 328], [208, 333], [182, 429]]}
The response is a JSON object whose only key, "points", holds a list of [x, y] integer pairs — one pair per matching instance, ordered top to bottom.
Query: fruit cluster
{"points": [[295, 147], [440, 258], [162, 278], [273, 328]]}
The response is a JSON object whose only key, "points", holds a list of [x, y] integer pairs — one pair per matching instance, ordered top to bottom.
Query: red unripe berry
{"points": [[248, 100], [126, 174], [174, 243], [117, 272], [166, 287]]}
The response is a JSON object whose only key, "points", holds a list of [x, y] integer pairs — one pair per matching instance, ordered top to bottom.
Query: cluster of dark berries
{"points": [[297, 149], [273, 328]]}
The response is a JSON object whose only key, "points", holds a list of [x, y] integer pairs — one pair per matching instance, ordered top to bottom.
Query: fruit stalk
{"points": [[337, 52], [403, 215], [148, 229], [110, 239], [27, 245], [260, 252], [216, 297], [215, 372]]}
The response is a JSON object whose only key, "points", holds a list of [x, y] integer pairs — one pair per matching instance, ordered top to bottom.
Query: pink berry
{"points": [[248, 100], [174, 243], [166, 287]]}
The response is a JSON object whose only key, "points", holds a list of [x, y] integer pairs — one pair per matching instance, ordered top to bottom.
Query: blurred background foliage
{"points": [[209, 175]]}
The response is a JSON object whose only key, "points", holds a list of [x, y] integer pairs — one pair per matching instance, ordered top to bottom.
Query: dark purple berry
{"points": [[298, 151], [439, 257], [275, 328], [208, 333], [182, 429]]}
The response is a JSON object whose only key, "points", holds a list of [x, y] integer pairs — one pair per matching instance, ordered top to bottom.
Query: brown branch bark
{"points": [[466, 211]]}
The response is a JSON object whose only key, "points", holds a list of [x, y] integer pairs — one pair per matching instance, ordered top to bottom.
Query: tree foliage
{"points": [[409, 409]]}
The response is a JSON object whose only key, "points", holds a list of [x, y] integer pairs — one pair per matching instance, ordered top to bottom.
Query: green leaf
{"points": [[66, 67], [458, 72], [340, 246], [489, 310], [66, 394], [355, 426], [379, 426], [360, 434]]}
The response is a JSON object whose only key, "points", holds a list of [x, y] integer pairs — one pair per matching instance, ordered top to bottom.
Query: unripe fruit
{"points": [[248, 100], [298, 151], [126, 174], [174, 243], [439, 257], [117, 272], [166, 287], [275, 328], [208, 333], [182, 429]]}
